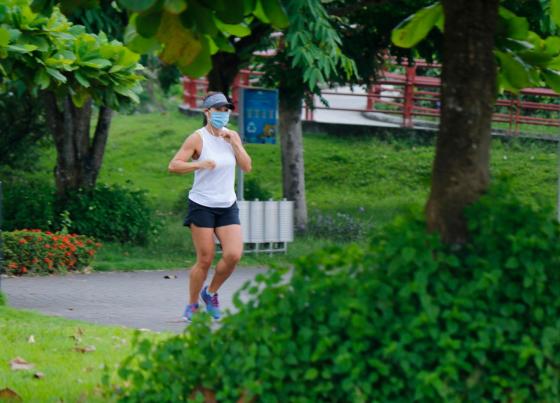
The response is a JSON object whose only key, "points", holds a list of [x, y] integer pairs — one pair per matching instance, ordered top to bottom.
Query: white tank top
{"points": [[214, 187]]}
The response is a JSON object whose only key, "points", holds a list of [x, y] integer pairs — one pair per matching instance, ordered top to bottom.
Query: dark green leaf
{"points": [[137, 5], [250, 6], [259, 12], [234, 13], [275, 13], [203, 18], [147, 24], [416, 27], [516, 27], [239, 30], [138, 43], [223, 44], [22, 48], [97, 63], [201, 64], [514, 69], [56, 74], [42, 79], [81, 79], [552, 79]]}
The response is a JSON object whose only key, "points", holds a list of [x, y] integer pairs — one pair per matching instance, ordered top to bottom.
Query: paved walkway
{"points": [[338, 98], [139, 299]]}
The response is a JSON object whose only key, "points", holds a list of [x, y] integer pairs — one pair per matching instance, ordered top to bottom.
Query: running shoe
{"points": [[212, 304], [190, 310]]}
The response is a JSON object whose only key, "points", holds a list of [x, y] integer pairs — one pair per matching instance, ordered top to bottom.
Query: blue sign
{"points": [[258, 115]]}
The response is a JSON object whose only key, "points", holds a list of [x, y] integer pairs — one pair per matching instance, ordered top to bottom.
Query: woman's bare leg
{"points": [[231, 239], [203, 240]]}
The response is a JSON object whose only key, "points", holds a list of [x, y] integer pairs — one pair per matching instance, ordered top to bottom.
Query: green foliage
{"points": [[555, 11], [105, 17], [416, 27], [187, 32], [365, 33], [312, 50], [49, 53], [524, 58], [168, 75], [21, 140], [254, 190], [27, 204], [112, 213], [338, 226], [34, 251], [3, 299], [406, 319]]}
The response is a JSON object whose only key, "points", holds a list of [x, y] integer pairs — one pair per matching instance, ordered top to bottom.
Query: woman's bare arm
{"points": [[180, 163]]}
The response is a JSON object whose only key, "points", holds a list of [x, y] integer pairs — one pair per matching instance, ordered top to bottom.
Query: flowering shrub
{"points": [[35, 251]]}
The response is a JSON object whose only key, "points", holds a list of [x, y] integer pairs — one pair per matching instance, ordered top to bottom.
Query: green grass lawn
{"points": [[369, 179], [69, 374]]}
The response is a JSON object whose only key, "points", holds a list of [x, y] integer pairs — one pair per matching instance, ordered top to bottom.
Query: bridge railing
{"points": [[414, 97]]}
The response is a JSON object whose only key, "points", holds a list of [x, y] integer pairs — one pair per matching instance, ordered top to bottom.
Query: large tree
{"points": [[486, 47], [308, 55], [69, 69], [461, 169]]}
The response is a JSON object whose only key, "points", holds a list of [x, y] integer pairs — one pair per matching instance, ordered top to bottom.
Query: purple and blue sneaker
{"points": [[212, 304], [190, 310]]}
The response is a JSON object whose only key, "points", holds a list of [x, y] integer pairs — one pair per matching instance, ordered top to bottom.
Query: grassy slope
{"points": [[341, 173], [379, 178], [69, 375]]}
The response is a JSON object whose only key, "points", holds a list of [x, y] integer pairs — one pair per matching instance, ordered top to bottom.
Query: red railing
{"points": [[194, 90], [411, 95]]}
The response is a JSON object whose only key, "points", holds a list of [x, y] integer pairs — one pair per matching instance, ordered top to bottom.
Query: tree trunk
{"points": [[225, 67], [291, 139], [79, 158], [461, 172]]}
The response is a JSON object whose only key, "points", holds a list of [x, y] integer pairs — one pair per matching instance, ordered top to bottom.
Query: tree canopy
{"points": [[186, 32], [50, 53], [525, 59]]}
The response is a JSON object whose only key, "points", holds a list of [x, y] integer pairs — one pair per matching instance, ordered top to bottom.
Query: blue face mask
{"points": [[219, 119]]}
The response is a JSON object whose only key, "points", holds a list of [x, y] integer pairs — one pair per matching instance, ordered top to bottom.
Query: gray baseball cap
{"points": [[216, 100]]}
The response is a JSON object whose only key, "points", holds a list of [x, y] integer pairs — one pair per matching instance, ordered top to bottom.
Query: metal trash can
{"points": [[271, 220], [286, 220], [256, 222]]}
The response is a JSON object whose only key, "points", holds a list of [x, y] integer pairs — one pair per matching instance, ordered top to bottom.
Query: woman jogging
{"points": [[212, 153]]}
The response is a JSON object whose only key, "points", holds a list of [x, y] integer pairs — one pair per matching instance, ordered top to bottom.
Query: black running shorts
{"points": [[211, 217]]}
